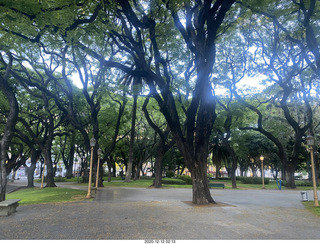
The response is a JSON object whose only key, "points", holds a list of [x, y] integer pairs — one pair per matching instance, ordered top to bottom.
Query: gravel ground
{"points": [[141, 214]]}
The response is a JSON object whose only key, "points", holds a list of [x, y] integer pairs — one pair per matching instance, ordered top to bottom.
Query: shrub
{"points": [[169, 174], [186, 178], [224, 178], [59, 179], [253, 180], [172, 181], [299, 183], [303, 183]]}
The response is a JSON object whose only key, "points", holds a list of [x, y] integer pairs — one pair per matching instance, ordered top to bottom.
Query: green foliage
{"points": [[245, 37], [170, 174], [186, 178], [224, 178], [59, 179], [253, 180], [172, 181], [299, 183]]}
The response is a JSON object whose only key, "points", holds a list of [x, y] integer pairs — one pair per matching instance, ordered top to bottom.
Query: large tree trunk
{"points": [[8, 132], [132, 134], [35, 154], [109, 164], [158, 165], [234, 165], [49, 166], [69, 166], [139, 167], [218, 167], [30, 168], [290, 170], [109, 171], [69, 172], [30, 174], [3, 179], [200, 188]]}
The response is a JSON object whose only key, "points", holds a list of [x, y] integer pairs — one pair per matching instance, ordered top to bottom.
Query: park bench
{"points": [[216, 185], [8, 207]]}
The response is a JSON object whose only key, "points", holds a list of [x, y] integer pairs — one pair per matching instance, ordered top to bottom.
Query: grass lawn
{"points": [[117, 182], [147, 182], [133, 183], [139, 183], [240, 186], [47, 195], [310, 206]]}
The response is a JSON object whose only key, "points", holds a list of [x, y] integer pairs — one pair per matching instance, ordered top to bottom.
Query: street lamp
{"points": [[310, 142], [92, 144], [262, 171], [97, 176]]}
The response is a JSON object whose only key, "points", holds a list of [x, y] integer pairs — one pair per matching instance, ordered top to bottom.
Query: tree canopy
{"points": [[145, 78]]}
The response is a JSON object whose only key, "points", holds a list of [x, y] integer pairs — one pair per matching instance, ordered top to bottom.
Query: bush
{"points": [[169, 174], [224, 178], [59, 179], [187, 179], [253, 180], [172, 181], [299, 183], [304, 183]]}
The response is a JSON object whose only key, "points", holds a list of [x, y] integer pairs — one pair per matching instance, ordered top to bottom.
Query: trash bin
{"points": [[304, 196]]}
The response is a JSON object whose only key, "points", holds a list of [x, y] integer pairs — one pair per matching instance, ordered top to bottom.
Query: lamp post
{"points": [[310, 142], [92, 144], [262, 171], [97, 176]]}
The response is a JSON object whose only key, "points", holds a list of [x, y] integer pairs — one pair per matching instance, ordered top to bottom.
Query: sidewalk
{"points": [[16, 185], [138, 213]]}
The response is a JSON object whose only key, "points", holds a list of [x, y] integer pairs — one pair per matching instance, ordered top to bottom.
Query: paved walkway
{"points": [[137, 213]]}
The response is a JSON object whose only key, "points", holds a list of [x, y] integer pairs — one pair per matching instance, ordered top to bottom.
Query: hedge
{"points": [[187, 179], [253, 180], [172, 181]]}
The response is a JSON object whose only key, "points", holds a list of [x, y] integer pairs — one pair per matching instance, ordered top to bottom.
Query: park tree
{"points": [[203, 22], [295, 23], [135, 29], [169, 48], [285, 66], [136, 87], [113, 106], [48, 114], [10, 118], [29, 129], [67, 145], [162, 145]]}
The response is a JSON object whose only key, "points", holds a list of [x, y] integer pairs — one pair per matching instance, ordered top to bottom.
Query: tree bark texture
{"points": [[8, 132], [132, 135], [158, 165], [49, 167], [200, 191]]}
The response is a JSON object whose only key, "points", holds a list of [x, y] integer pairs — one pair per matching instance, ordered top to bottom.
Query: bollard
{"points": [[304, 196]]}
